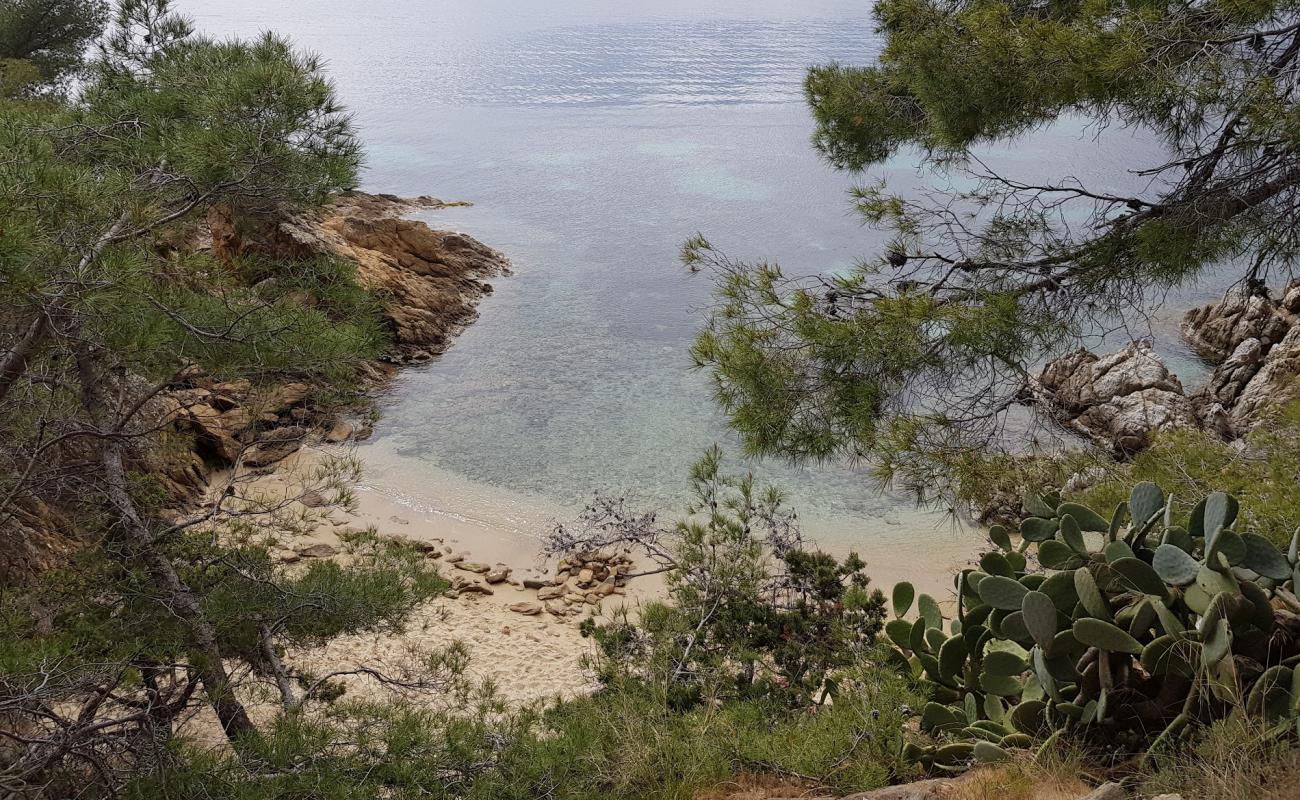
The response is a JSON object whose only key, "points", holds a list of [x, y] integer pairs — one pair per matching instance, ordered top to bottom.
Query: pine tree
{"points": [[914, 358]]}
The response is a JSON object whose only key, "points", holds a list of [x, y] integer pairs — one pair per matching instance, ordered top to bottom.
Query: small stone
{"points": [[340, 432], [317, 550], [288, 556], [454, 558], [473, 566], [497, 575], [585, 576], [536, 583], [604, 589], [550, 593], [527, 608], [1107, 791]]}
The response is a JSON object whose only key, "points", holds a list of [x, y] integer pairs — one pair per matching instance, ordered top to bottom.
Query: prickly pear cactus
{"points": [[1125, 631]]}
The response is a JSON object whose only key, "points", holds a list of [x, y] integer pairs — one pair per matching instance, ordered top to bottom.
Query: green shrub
{"points": [[1130, 631]]}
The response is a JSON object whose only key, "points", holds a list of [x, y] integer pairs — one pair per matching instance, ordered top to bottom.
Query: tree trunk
{"points": [[210, 666]]}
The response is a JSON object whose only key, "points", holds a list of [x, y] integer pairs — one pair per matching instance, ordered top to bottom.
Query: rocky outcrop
{"points": [[432, 280], [1244, 313], [1254, 340], [1116, 400]]}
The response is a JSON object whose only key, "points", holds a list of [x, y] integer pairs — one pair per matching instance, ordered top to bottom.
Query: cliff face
{"points": [[433, 279]]}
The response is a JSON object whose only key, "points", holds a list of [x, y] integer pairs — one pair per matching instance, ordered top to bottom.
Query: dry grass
{"points": [[1233, 760], [1053, 777], [750, 786]]}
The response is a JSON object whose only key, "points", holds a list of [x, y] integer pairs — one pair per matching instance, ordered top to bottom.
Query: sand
{"points": [[528, 658]]}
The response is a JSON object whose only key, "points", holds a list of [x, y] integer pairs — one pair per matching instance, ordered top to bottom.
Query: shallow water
{"points": [[594, 137]]}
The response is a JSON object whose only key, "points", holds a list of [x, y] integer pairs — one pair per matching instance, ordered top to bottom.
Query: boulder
{"points": [[1216, 330], [1272, 386], [1115, 400], [275, 445], [312, 499], [467, 585], [527, 608], [934, 789]]}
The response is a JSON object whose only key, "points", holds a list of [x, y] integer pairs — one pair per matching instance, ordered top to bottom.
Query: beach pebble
{"points": [[317, 550], [550, 593]]}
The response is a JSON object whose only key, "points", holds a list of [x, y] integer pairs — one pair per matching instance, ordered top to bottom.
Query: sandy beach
{"points": [[527, 658]]}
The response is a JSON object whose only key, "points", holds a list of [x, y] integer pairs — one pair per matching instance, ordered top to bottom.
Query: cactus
{"points": [[1174, 565], [1092, 643]]}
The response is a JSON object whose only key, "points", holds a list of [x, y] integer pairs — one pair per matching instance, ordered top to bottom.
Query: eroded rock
{"points": [[433, 279], [1116, 400]]}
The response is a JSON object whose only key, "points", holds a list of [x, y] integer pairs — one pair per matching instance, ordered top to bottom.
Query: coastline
{"points": [[532, 653]]}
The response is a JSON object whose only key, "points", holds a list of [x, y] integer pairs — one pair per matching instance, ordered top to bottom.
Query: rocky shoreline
{"points": [[1117, 401]]}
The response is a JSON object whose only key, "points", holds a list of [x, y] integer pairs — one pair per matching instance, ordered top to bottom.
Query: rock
{"points": [[433, 279], [1216, 330], [1252, 338], [1274, 385], [286, 396], [1116, 400], [215, 431], [341, 431], [275, 445], [312, 499], [425, 546], [317, 550], [288, 557], [453, 558], [473, 566], [498, 575], [585, 577], [535, 583], [467, 585], [605, 588], [550, 593], [527, 608], [555, 609], [935, 789], [1107, 791], [1168, 797]]}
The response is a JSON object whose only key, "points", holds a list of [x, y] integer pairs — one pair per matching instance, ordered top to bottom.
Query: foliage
{"points": [[43, 42], [109, 315], [916, 356], [1260, 471], [750, 611], [1128, 633], [622, 742], [1233, 759]]}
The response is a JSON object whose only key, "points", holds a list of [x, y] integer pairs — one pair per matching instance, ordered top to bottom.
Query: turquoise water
{"points": [[594, 137]]}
